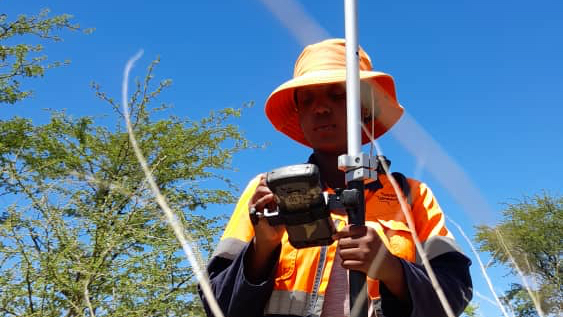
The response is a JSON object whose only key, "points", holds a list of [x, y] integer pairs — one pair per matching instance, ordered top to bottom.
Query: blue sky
{"points": [[484, 79]]}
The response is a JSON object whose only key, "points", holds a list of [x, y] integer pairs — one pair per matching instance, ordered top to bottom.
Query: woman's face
{"points": [[322, 115]]}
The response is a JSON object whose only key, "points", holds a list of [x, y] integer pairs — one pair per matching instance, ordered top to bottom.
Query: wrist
{"points": [[264, 246], [259, 261], [394, 277]]}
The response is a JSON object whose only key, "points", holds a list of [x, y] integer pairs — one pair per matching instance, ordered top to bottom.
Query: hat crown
{"points": [[327, 55]]}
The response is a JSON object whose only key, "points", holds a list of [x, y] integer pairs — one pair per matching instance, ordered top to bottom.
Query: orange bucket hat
{"points": [[325, 63]]}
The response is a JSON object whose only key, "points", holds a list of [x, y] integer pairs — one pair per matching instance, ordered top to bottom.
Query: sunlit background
{"points": [[482, 84]]}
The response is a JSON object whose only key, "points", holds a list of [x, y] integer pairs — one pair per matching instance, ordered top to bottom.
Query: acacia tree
{"points": [[19, 59], [81, 233], [529, 239], [471, 310]]}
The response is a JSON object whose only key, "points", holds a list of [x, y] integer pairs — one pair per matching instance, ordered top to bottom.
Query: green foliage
{"points": [[19, 61], [82, 233], [529, 239], [471, 310]]}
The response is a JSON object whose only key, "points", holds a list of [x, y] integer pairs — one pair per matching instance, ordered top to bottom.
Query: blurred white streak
{"points": [[293, 17], [419, 168], [443, 168], [405, 208], [175, 224], [491, 261], [429, 270], [483, 270], [521, 275], [485, 298], [507, 306]]}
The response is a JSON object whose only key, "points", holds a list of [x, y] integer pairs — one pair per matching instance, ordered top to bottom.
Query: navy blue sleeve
{"points": [[452, 272], [236, 296]]}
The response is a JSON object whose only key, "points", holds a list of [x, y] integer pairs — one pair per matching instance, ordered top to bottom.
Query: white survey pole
{"points": [[352, 78], [353, 162]]}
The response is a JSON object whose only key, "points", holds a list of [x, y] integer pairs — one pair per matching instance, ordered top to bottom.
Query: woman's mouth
{"points": [[325, 127]]}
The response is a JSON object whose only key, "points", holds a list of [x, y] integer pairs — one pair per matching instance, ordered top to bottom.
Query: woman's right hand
{"points": [[266, 237]]}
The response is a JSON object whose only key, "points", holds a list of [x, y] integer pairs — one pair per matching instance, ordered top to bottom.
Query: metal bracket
{"points": [[358, 167], [271, 216]]}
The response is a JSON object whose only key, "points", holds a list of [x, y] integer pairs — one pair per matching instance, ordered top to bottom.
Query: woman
{"points": [[256, 272]]}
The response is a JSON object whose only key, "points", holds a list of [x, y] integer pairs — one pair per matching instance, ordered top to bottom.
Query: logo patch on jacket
{"points": [[387, 198]]}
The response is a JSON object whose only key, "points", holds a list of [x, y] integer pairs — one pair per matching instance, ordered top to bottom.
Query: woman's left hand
{"points": [[361, 249]]}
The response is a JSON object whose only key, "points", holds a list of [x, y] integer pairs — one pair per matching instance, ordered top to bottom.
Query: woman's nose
{"points": [[321, 107]]}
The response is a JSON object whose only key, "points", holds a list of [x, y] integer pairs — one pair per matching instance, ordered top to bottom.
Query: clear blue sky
{"points": [[483, 78]]}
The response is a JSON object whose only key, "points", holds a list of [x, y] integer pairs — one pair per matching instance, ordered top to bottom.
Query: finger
{"points": [[262, 180], [262, 186], [262, 189], [259, 192], [260, 196], [263, 201], [354, 231], [348, 243], [351, 254], [353, 265]]}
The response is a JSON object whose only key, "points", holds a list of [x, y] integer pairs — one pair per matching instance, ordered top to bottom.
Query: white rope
{"points": [[161, 200], [410, 223], [483, 270], [521, 275]]}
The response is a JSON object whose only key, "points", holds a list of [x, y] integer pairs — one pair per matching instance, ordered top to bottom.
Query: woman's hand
{"points": [[266, 237], [361, 249]]}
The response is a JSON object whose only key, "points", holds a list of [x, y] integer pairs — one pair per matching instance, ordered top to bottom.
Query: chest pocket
{"points": [[287, 261]]}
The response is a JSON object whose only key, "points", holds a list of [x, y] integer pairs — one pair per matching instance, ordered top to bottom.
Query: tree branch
{"points": [[87, 298]]}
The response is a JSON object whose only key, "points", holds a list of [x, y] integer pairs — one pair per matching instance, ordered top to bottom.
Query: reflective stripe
{"points": [[436, 246], [229, 248], [294, 272], [292, 303], [300, 303], [314, 309], [375, 309]]}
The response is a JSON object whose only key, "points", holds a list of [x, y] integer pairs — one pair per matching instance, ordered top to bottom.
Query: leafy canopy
{"points": [[20, 60], [81, 234], [529, 239]]}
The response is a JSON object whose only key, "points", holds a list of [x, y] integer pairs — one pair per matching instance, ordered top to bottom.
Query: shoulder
{"points": [[411, 188], [416, 189], [418, 194]]}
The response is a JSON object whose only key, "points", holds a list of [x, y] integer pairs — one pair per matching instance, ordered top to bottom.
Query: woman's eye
{"points": [[338, 96], [304, 100], [302, 103]]}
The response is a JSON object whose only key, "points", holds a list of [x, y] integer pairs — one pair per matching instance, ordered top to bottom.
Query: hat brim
{"points": [[282, 112]]}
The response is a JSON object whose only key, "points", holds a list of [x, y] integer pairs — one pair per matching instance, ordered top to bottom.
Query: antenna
{"points": [[355, 164]]}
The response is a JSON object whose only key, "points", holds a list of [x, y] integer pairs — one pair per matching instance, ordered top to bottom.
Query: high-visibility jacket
{"points": [[302, 275]]}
